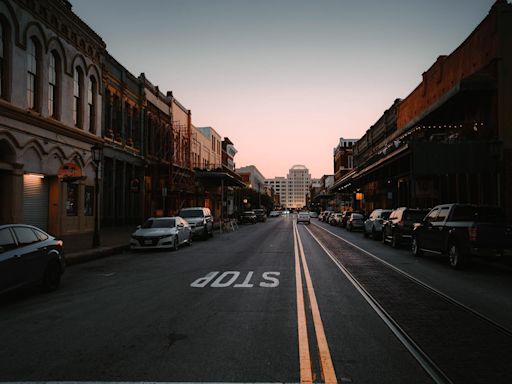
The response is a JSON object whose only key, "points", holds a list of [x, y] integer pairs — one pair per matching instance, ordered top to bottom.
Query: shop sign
{"points": [[70, 172]]}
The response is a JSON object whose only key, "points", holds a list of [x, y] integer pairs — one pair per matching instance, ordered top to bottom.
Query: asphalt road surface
{"points": [[271, 302]]}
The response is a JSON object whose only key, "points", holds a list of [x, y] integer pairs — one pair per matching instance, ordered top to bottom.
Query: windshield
{"points": [[190, 213], [159, 223]]}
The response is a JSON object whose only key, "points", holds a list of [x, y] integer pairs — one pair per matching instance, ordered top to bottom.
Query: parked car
{"points": [[274, 214], [261, 215], [313, 215], [325, 215], [345, 215], [248, 217], [303, 217], [335, 219], [200, 220], [355, 222], [373, 225], [398, 228], [462, 231], [162, 233], [29, 255]]}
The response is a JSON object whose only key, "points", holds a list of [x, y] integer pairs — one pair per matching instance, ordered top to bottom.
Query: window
{"points": [[33, 53], [53, 85], [77, 97], [91, 104], [72, 200], [88, 201], [443, 213], [431, 217], [25, 235], [6, 240]]}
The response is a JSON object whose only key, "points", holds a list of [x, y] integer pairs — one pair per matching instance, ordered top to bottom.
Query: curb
{"points": [[92, 254]]}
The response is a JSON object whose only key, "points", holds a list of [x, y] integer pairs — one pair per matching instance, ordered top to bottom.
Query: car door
{"points": [[180, 226], [440, 232], [427, 234], [31, 253], [9, 263]]}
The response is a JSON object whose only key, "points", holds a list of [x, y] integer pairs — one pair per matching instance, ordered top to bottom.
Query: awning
{"points": [[216, 178]]}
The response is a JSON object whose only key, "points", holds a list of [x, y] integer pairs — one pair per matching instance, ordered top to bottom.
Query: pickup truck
{"points": [[462, 231]]}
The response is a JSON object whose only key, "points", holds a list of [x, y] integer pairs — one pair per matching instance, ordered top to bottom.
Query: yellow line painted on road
{"points": [[326, 364], [306, 374]]}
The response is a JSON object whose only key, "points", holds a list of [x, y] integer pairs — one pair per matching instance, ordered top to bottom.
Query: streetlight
{"points": [[97, 158]]}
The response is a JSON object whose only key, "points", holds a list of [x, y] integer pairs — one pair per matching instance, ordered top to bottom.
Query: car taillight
{"points": [[472, 233]]}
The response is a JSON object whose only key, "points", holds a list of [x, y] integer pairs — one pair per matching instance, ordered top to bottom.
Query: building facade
{"points": [[50, 115], [450, 139], [123, 151], [294, 190]]}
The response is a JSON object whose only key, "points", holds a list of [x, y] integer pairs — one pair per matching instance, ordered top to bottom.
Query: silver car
{"points": [[355, 222], [373, 225], [163, 233]]}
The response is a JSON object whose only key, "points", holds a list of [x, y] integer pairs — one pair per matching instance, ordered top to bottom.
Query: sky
{"points": [[283, 79]]}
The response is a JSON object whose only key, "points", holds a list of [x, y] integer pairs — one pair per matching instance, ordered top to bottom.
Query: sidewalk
{"points": [[78, 248]]}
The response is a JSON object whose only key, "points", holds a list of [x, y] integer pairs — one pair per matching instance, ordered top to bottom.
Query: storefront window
{"points": [[72, 200], [89, 201]]}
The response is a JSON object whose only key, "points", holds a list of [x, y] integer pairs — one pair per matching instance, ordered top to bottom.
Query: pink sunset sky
{"points": [[283, 79]]}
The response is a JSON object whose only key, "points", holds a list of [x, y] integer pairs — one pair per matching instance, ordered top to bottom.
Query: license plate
{"points": [[148, 242]]}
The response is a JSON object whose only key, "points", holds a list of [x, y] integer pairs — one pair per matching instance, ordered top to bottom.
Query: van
{"points": [[200, 220]]}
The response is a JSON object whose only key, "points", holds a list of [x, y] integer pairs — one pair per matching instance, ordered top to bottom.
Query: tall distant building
{"points": [[294, 189]]}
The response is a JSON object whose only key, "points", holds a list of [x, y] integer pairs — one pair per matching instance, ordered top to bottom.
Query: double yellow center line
{"points": [[326, 365]]}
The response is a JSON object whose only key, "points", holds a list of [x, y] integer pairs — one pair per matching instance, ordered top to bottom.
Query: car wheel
{"points": [[349, 227], [211, 232], [205, 233], [365, 234], [374, 234], [395, 240], [189, 242], [175, 243], [415, 248], [456, 258], [51, 278]]}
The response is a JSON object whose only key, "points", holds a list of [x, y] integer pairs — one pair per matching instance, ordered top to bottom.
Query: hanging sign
{"points": [[70, 173]]}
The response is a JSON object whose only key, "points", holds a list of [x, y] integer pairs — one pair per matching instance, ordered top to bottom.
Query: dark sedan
{"points": [[28, 255]]}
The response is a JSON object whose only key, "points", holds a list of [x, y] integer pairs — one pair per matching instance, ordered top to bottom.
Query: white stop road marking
{"points": [[228, 278]]}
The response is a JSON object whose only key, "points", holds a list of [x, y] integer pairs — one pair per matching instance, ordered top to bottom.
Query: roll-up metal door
{"points": [[35, 201]]}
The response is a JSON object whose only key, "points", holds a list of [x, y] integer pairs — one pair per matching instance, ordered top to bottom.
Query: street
{"points": [[270, 302]]}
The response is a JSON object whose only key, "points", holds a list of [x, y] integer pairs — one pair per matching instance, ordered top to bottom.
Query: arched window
{"points": [[33, 69], [78, 80], [54, 85], [91, 104]]}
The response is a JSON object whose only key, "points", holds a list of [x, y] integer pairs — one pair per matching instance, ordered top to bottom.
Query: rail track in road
{"points": [[453, 343]]}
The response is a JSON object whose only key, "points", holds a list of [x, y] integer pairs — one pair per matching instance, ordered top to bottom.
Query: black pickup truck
{"points": [[461, 231]]}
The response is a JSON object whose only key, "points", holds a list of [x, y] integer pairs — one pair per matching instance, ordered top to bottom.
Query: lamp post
{"points": [[97, 157]]}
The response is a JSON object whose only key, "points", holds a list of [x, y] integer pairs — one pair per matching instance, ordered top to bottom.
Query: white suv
{"points": [[303, 217], [200, 220]]}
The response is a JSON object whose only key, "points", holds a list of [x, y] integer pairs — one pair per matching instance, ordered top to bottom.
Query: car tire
{"points": [[349, 227], [211, 232], [205, 233], [365, 234], [374, 234], [383, 237], [395, 241], [189, 242], [175, 243], [415, 248], [456, 258], [51, 277]]}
